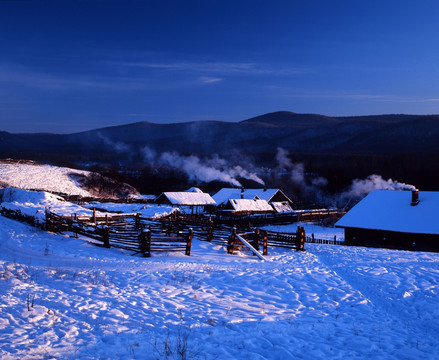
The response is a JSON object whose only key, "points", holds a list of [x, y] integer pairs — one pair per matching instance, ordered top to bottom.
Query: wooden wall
{"points": [[391, 239]]}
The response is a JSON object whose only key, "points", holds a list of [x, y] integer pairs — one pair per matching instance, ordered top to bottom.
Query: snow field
{"points": [[42, 177], [35, 203], [330, 302]]}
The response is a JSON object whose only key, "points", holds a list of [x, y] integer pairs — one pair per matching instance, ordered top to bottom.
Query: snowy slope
{"points": [[42, 177], [61, 180], [34, 204], [330, 302]]}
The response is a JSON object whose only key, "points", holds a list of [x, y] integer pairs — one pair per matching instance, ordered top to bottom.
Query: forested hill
{"points": [[305, 133], [399, 146]]}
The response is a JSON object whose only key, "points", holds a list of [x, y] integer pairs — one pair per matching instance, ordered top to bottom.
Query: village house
{"points": [[192, 201], [279, 202], [247, 206], [394, 219]]}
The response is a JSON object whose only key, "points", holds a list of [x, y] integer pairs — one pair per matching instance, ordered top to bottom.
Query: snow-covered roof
{"points": [[222, 196], [187, 198], [250, 205], [282, 207], [391, 210]]}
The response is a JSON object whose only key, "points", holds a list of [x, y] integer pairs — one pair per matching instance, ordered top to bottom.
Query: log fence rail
{"points": [[127, 231], [142, 235]]}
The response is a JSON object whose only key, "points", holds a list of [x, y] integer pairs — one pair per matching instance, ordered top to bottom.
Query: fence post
{"points": [[94, 216], [137, 221], [76, 228], [210, 230], [107, 237], [300, 238], [256, 239], [231, 241], [148, 242], [189, 242], [265, 244], [144, 248]]}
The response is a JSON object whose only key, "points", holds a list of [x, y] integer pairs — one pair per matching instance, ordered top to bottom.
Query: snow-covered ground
{"points": [[42, 177], [62, 180], [35, 203], [146, 210], [320, 232], [63, 298]]}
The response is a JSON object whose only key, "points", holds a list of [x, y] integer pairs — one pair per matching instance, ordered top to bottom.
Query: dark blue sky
{"points": [[67, 66]]}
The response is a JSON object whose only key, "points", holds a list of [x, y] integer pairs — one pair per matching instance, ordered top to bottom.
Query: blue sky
{"points": [[68, 66]]}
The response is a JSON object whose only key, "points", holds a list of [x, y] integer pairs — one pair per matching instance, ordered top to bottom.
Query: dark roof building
{"points": [[394, 219]]}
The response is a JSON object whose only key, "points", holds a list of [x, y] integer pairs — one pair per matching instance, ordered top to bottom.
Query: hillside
{"points": [[295, 132], [341, 149], [29, 175]]}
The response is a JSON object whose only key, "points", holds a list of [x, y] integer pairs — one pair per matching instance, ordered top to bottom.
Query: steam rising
{"points": [[118, 146], [205, 170], [297, 175], [309, 186], [313, 187], [360, 188]]}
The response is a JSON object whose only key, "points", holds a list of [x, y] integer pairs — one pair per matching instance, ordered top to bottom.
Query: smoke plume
{"points": [[118, 146], [205, 170], [309, 186], [360, 188]]}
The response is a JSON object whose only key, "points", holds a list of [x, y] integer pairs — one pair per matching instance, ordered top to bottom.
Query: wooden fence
{"points": [[319, 214], [18, 215], [129, 232], [141, 235], [289, 238], [263, 239], [314, 240], [292, 241], [235, 243]]}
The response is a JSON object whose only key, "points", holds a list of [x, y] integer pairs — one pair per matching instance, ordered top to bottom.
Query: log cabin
{"points": [[406, 220]]}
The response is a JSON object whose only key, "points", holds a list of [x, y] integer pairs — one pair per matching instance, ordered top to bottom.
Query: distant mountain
{"points": [[298, 133], [405, 147]]}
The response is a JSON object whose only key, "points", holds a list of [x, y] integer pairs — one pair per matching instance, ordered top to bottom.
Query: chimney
{"points": [[415, 197]]}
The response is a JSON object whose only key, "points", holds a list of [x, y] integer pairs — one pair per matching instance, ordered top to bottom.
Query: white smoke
{"points": [[118, 146], [148, 154], [283, 161], [195, 170], [205, 170], [297, 174], [319, 182], [360, 188]]}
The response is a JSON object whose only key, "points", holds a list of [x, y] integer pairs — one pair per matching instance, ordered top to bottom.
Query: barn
{"points": [[406, 220]]}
